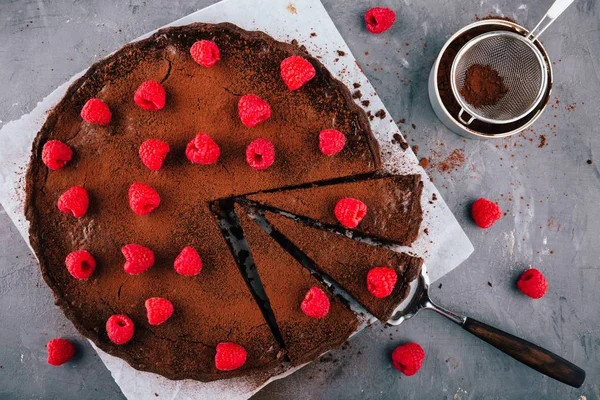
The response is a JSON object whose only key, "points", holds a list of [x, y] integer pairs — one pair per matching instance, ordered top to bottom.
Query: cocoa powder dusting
{"points": [[483, 86], [543, 141], [455, 160]]}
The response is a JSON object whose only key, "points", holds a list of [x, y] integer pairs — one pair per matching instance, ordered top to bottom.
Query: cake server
{"points": [[521, 350]]}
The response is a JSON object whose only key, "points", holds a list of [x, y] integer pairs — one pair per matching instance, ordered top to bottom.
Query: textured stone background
{"points": [[550, 194]]}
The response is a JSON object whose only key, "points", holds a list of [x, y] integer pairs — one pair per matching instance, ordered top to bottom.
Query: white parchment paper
{"points": [[443, 248]]}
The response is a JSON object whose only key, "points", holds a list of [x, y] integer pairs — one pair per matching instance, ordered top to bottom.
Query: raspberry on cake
{"points": [[379, 19], [205, 53], [296, 71], [150, 95], [253, 110], [96, 112], [331, 141], [202, 150], [153, 153], [56, 154], [260, 154], [143, 199], [74, 201], [350, 212], [137, 258], [188, 262], [80, 264], [381, 281], [315, 303], [158, 310], [119, 328], [59, 351], [230, 356], [408, 358]]}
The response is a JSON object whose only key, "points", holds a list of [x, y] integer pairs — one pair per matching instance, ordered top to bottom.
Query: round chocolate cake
{"points": [[174, 204]]}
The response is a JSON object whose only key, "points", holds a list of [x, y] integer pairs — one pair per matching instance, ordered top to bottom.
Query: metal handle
{"points": [[554, 12], [461, 119], [521, 350]]}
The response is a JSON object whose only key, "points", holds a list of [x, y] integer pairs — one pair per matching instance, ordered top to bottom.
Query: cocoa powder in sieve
{"points": [[483, 86]]}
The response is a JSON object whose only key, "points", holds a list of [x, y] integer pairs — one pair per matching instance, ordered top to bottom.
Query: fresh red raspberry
{"points": [[379, 19], [205, 53], [296, 71], [150, 95], [253, 110], [96, 112], [331, 141], [202, 150], [153, 153], [56, 154], [260, 154], [143, 199], [74, 201], [350, 212], [485, 213], [137, 258], [188, 262], [81, 264], [381, 281], [533, 283], [315, 303], [158, 310], [119, 328], [59, 351], [229, 356], [408, 358]]}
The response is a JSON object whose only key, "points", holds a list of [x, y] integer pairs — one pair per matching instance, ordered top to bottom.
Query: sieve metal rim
{"points": [[465, 107]]}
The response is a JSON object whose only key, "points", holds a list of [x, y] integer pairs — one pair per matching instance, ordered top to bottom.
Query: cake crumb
{"points": [[290, 7], [313, 34], [341, 53], [356, 85], [357, 95], [365, 103], [381, 114], [543, 142], [589, 161], [424, 162], [490, 284], [440, 286]]}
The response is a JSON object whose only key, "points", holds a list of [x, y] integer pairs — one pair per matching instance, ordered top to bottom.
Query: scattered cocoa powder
{"points": [[483, 86], [543, 142], [455, 160]]}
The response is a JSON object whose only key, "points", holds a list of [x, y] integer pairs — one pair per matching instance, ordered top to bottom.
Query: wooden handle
{"points": [[528, 353]]}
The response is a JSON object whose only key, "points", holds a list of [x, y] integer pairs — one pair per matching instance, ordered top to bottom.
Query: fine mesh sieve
{"points": [[517, 61], [514, 63]]}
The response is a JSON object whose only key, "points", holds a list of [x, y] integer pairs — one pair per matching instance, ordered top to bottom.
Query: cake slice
{"points": [[394, 211], [347, 262], [286, 283]]}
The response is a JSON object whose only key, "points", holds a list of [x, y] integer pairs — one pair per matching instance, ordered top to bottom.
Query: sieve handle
{"points": [[554, 12], [461, 119]]}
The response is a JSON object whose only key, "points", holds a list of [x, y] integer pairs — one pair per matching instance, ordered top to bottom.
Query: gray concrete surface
{"points": [[550, 195]]}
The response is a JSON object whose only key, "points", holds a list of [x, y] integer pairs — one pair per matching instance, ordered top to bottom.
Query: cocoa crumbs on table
{"points": [[380, 114]]}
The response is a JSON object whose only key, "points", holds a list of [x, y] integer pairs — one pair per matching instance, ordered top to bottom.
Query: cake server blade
{"points": [[521, 350]]}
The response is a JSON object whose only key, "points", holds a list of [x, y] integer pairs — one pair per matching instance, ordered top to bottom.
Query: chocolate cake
{"points": [[393, 205], [347, 262], [286, 283]]}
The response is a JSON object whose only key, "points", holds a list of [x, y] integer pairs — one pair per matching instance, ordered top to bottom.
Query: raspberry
{"points": [[379, 19], [205, 53], [296, 71], [150, 95], [253, 110], [96, 112], [331, 141], [202, 150], [153, 153], [56, 154], [260, 154], [143, 199], [74, 201], [350, 212], [485, 213], [137, 258], [188, 262], [81, 264], [381, 281], [533, 283], [315, 303], [158, 310], [119, 328], [59, 351], [229, 356], [408, 358]]}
